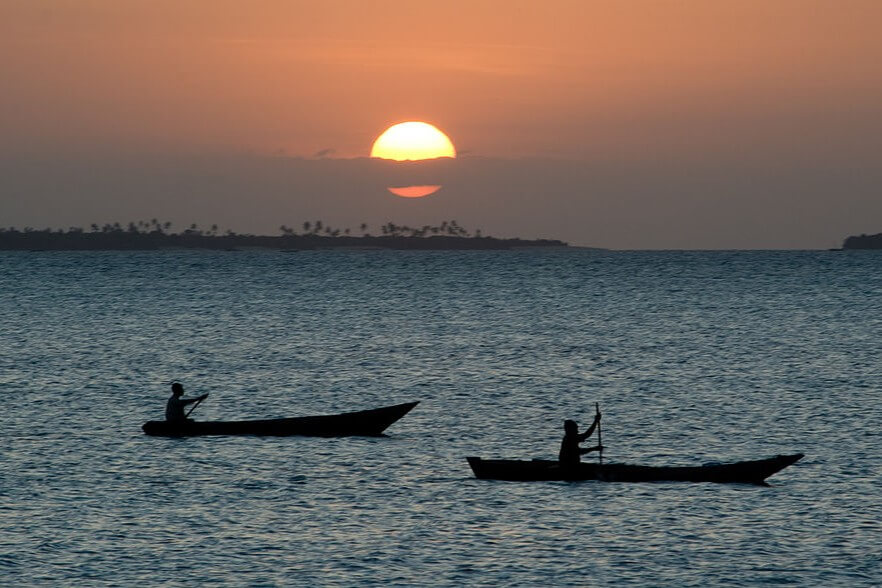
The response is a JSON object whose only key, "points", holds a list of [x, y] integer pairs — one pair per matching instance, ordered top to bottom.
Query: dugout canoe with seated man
{"points": [[370, 422], [568, 467]]}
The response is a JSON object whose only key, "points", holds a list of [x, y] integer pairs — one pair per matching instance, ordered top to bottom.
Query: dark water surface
{"points": [[694, 357]]}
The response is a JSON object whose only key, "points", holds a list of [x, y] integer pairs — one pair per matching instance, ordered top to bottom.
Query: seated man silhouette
{"points": [[174, 408], [569, 446]]}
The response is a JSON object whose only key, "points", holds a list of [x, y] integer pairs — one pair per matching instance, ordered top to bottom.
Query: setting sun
{"points": [[412, 141], [414, 191]]}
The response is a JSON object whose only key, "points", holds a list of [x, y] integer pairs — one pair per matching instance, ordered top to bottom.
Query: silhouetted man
{"points": [[174, 408], [569, 447]]}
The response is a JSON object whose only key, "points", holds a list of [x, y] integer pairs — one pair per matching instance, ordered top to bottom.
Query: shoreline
{"points": [[125, 241]]}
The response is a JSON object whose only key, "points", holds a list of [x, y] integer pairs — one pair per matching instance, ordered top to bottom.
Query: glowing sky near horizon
{"points": [[668, 110]]}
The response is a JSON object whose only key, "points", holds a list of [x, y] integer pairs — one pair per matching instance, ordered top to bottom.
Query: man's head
{"points": [[177, 389], [571, 427]]}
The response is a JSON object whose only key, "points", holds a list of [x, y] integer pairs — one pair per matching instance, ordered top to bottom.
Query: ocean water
{"points": [[693, 356]]}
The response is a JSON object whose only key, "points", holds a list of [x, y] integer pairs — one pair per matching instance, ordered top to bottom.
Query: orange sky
{"points": [[716, 84]]}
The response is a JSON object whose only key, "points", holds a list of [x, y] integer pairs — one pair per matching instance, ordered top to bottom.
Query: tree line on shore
{"points": [[310, 228], [154, 234], [863, 242]]}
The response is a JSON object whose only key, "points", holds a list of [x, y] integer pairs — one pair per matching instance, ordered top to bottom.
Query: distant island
{"points": [[155, 235], [863, 242]]}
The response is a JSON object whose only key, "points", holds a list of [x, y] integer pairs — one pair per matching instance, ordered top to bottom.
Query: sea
{"points": [[693, 357]]}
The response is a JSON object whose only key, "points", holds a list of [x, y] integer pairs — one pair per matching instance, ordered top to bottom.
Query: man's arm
{"points": [[192, 400], [590, 430], [590, 449]]}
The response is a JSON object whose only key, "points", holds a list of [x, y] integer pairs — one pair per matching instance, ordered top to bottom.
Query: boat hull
{"points": [[370, 423], [743, 472]]}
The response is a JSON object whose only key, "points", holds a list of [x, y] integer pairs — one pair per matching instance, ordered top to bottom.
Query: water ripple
{"points": [[695, 357]]}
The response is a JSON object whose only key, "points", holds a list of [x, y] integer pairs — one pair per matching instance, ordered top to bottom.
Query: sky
{"points": [[624, 124]]}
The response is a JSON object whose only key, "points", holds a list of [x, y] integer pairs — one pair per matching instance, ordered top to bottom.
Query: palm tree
{"points": [[306, 226], [363, 228], [454, 229]]}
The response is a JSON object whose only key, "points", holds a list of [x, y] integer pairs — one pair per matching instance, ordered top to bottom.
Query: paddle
{"points": [[194, 407], [599, 438]]}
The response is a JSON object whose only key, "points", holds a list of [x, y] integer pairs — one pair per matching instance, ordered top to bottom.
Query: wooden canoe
{"points": [[364, 422], [743, 472]]}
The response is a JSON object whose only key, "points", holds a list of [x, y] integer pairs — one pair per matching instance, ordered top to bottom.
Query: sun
{"points": [[412, 141], [414, 191]]}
